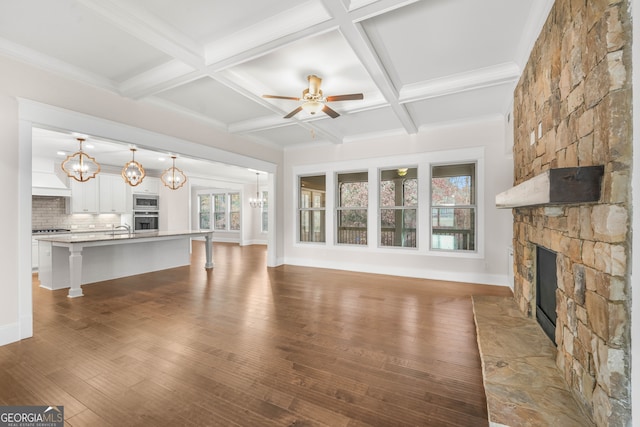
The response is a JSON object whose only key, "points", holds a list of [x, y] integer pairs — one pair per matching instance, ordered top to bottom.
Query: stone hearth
{"points": [[522, 383]]}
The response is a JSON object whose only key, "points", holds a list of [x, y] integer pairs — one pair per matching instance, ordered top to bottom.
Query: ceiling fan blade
{"points": [[281, 97], [350, 97], [329, 112], [293, 113]]}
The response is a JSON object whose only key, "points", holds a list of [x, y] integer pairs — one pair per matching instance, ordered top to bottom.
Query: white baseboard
{"points": [[419, 273], [9, 333]]}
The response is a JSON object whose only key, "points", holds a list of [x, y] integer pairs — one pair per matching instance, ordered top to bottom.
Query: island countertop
{"points": [[105, 236], [71, 260]]}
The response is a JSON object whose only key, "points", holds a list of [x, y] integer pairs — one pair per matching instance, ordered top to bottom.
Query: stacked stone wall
{"points": [[572, 107]]}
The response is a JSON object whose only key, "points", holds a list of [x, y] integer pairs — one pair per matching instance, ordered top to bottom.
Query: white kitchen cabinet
{"points": [[149, 185], [113, 194], [84, 196]]}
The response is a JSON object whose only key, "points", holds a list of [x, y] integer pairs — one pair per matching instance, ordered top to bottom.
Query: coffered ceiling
{"points": [[418, 63]]}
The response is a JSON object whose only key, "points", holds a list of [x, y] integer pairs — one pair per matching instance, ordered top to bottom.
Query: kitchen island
{"points": [[72, 260]]}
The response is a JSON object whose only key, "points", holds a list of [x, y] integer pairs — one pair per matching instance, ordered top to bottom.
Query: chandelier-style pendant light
{"points": [[80, 166], [133, 172], [173, 177], [257, 202]]}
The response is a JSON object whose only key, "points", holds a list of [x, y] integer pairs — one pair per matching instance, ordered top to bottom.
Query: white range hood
{"points": [[48, 179]]}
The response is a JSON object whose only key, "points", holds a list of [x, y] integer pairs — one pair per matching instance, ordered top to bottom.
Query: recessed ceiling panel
{"points": [[206, 20], [67, 31], [432, 39], [284, 71], [209, 98], [461, 106], [371, 122], [288, 136]]}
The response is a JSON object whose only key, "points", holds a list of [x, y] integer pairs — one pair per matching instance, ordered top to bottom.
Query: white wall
{"points": [[95, 112], [174, 208], [10, 251], [489, 266]]}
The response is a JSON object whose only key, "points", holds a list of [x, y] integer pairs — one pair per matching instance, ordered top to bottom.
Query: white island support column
{"points": [[208, 248], [78, 259], [75, 271]]}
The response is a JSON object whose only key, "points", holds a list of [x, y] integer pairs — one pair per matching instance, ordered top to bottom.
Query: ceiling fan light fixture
{"points": [[312, 107], [80, 166], [133, 172], [173, 177]]}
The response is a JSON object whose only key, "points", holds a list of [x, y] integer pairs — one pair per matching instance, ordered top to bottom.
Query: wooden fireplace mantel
{"points": [[555, 186]]}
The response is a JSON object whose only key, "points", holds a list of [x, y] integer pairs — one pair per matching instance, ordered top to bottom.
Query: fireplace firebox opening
{"points": [[546, 285]]}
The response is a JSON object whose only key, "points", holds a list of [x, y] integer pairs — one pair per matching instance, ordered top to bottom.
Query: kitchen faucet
{"points": [[125, 226]]}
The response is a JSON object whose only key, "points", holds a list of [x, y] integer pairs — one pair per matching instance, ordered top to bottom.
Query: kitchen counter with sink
{"points": [[72, 260]]}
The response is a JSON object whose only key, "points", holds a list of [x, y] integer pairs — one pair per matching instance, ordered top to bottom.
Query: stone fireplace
{"points": [[572, 108]]}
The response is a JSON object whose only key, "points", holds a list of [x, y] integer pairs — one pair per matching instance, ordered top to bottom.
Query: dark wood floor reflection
{"points": [[251, 346]]}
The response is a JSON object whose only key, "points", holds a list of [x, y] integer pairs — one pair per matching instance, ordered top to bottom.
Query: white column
{"points": [[208, 247], [75, 271]]}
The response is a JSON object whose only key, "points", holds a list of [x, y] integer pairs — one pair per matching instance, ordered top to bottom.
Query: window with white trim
{"points": [[398, 207], [453, 207], [311, 208], [351, 209], [204, 211], [219, 211], [234, 211]]}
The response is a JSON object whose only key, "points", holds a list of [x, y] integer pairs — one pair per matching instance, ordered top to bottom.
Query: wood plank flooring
{"points": [[250, 346]]}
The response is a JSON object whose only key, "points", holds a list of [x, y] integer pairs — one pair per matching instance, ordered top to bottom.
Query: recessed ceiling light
{"points": [[89, 146], [61, 153], [162, 159]]}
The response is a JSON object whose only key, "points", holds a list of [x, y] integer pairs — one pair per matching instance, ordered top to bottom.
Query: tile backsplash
{"points": [[51, 212]]}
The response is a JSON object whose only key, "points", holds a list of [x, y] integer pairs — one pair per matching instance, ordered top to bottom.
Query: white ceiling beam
{"points": [[374, 9], [289, 22], [146, 27], [361, 45], [54, 65], [485, 77], [158, 79]]}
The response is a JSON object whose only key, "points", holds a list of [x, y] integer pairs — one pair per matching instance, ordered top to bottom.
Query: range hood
{"points": [[48, 179]]}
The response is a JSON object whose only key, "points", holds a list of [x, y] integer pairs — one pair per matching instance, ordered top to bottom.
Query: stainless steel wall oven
{"points": [[145, 221]]}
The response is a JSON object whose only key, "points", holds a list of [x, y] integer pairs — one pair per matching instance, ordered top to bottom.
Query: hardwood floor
{"points": [[250, 346]]}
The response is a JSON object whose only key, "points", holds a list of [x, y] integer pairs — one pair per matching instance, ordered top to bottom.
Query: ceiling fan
{"points": [[314, 100]]}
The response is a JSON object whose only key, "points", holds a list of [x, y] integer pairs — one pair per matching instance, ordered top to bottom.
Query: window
{"points": [[353, 199], [398, 207], [453, 207], [222, 208], [311, 208], [204, 211], [220, 211], [234, 211], [265, 211]]}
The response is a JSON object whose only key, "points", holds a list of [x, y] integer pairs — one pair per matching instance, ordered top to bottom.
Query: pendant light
{"points": [[80, 166], [133, 172], [173, 177], [257, 202]]}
